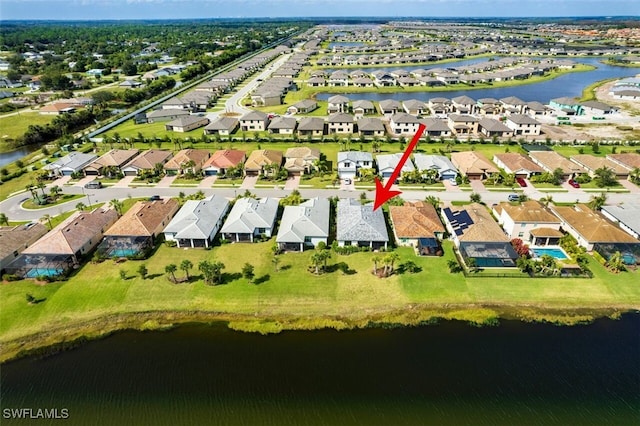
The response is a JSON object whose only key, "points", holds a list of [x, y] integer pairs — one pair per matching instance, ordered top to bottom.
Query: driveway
{"points": [[84, 180], [61, 181], [166, 181], [124, 182], [207, 182], [249, 182], [292, 183], [477, 186], [630, 186], [347, 187], [450, 188]]}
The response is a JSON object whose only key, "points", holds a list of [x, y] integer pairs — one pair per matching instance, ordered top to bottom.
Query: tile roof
{"points": [[254, 115], [522, 119], [199, 156], [115, 157], [262, 157], [225, 158], [148, 159], [551, 160], [630, 160], [515, 161], [438, 162], [471, 162], [593, 163], [530, 211], [144, 218], [415, 220], [356, 222], [478, 226], [593, 227], [74, 233], [17, 238]]}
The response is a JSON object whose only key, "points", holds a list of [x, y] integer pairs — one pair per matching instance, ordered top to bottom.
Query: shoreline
{"points": [[52, 341]]}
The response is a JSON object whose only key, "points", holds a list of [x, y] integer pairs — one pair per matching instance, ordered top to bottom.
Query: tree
{"points": [[129, 68], [102, 98], [558, 175], [604, 176], [634, 176], [41, 186], [32, 190], [55, 191], [475, 197], [293, 199], [433, 200], [546, 200], [596, 202], [117, 205], [81, 206], [47, 218], [4, 220], [520, 247], [393, 258], [275, 260], [375, 260], [316, 261], [615, 262], [472, 264], [185, 265], [171, 270], [143, 271], [212, 271], [247, 272], [123, 274]]}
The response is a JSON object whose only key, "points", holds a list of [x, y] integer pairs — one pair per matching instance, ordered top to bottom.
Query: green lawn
{"points": [[13, 126], [295, 296]]}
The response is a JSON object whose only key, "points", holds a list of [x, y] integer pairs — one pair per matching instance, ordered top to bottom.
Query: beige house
{"points": [[186, 123], [115, 158], [300, 160], [551, 160], [146, 161], [181, 162], [258, 162], [592, 163], [517, 164], [473, 165], [520, 221], [417, 225]]}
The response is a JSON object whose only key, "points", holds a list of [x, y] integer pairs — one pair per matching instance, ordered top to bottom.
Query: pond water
{"points": [[570, 85], [11, 156], [445, 374]]}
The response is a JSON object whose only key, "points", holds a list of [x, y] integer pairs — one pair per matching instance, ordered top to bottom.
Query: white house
{"points": [[350, 163]]}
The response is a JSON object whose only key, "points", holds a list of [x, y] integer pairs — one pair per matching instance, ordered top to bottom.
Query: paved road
{"points": [[12, 206]]}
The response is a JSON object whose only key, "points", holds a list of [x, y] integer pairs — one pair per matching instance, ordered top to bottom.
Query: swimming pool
{"points": [[123, 252], [555, 252], [43, 272]]}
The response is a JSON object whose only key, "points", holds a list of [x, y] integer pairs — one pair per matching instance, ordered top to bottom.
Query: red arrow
{"points": [[384, 193]]}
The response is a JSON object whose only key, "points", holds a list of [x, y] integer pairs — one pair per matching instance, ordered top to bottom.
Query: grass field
{"points": [[15, 125], [295, 298]]}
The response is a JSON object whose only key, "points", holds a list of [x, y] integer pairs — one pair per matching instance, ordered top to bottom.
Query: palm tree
{"points": [[605, 176], [634, 176], [41, 186], [32, 190], [55, 191], [433, 200], [547, 200], [596, 202], [81, 206], [117, 206], [47, 218], [4, 220], [393, 257], [275, 260], [316, 260], [376, 260], [185, 265], [171, 269]]}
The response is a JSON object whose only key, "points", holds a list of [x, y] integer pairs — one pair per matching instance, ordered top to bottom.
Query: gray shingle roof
{"points": [[370, 124], [355, 156], [390, 161], [248, 214], [197, 218], [309, 219], [356, 222]]}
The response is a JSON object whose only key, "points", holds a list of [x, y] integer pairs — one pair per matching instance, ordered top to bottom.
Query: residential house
{"points": [[383, 79], [316, 82], [176, 103], [337, 104], [463, 105], [513, 105], [567, 105], [305, 106], [440, 106], [489, 106], [363, 107], [389, 107], [415, 107], [57, 108], [598, 108], [536, 109], [166, 115], [254, 121], [186, 123], [340, 123], [404, 124], [463, 124], [283, 125], [524, 125], [223, 126], [311, 126], [371, 126], [436, 127], [490, 127], [187, 160], [222, 160], [301, 160], [551, 160], [628, 160], [111, 161], [146, 161], [73, 162], [260, 162], [351, 162], [388, 162], [440, 163], [592, 163], [518, 164], [473, 165], [626, 215], [250, 218], [530, 221], [197, 222], [305, 225], [360, 225], [417, 225], [589, 227], [135, 233], [477, 236], [14, 239], [62, 248]]}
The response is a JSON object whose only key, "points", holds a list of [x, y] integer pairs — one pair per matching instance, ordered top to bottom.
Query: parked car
{"points": [[347, 181], [453, 182], [521, 182], [574, 183], [94, 184], [513, 197], [155, 198]]}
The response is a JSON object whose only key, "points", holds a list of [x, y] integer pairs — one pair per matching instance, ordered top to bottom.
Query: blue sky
{"points": [[164, 9]]}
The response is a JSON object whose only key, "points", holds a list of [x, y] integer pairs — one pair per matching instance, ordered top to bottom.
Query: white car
{"points": [[453, 182]]}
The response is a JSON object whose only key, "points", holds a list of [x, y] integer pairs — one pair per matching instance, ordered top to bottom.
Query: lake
{"points": [[570, 85], [11, 156], [445, 374]]}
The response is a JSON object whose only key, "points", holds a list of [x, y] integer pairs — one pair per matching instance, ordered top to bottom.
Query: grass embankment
{"points": [[589, 92], [13, 126], [292, 298]]}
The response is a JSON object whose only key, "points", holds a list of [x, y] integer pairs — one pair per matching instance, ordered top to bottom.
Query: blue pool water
{"points": [[123, 252], [557, 253], [44, 272]]}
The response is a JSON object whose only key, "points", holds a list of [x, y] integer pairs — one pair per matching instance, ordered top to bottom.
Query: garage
{"points": [[211, 172]]}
